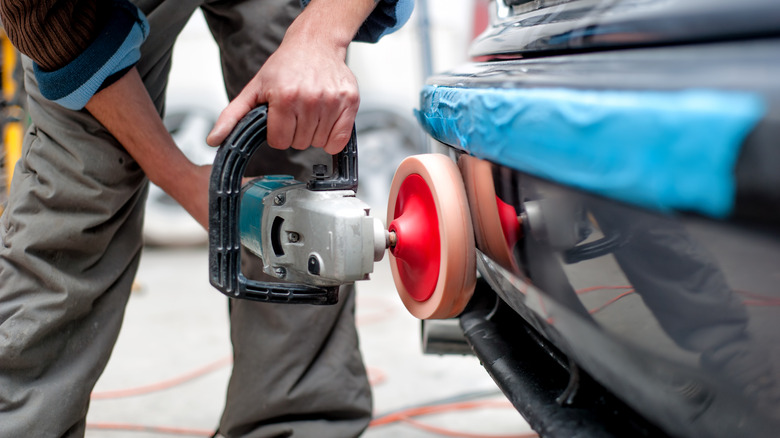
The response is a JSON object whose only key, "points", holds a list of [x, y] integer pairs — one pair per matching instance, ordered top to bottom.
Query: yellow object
{"points": [[13, 129], [12, 142]]}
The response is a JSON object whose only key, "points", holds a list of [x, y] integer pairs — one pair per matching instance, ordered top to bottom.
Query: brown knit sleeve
{"points": [[53, 32]]}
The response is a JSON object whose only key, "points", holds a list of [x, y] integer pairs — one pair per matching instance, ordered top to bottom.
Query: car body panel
{"points": [[540, 27], [672, 307]]}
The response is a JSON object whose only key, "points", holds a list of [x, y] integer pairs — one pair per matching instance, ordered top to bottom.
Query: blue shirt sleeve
{"points": [[116, 49]]}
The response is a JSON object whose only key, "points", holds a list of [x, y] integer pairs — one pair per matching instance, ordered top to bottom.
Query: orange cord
{"points": [[594, 288], [752, 299], [758, 300], [610, 302], [375, 377], [165, 384], [435, 409], [406, 414], [402, 416], [151, 429], [455, 433]]}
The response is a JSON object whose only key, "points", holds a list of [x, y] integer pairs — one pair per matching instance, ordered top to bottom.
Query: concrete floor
{"points": [[176, 325]]}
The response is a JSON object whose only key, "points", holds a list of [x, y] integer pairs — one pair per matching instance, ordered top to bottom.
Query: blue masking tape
{"points": [[667, 150]]}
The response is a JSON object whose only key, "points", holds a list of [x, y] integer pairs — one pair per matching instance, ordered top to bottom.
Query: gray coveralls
{"points": [[71, 243]]}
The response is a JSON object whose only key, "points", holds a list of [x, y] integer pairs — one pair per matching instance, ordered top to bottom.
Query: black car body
{"points": [[637, 143]]}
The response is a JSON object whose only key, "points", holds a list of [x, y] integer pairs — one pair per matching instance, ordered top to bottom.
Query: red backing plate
{"points": [[416, 226], [434, 261]]}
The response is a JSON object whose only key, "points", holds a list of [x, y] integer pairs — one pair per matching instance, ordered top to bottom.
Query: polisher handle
{"points": [[345, 170], [224, 206]]}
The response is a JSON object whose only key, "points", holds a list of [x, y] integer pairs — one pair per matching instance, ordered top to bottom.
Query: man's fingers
{"points": [[307, 119], [228, 120], [282, 123], [324, 127], [287, 129], [341, 132]]}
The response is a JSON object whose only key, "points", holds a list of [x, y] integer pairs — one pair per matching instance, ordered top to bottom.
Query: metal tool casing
{"points": [[323, 238]]}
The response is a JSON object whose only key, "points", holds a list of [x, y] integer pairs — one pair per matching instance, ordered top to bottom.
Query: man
{"points": [[71, 232]]}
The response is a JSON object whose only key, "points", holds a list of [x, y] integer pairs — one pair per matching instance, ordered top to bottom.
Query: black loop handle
{"points": [[345, 170], [224, 206]]}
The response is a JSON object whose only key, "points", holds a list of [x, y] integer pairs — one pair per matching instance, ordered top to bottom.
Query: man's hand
{"points": [[312, 95], [312, 99]]}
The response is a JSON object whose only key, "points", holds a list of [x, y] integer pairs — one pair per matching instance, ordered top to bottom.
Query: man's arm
{"points": [[78, 66], [311, 93], [127, 112]]}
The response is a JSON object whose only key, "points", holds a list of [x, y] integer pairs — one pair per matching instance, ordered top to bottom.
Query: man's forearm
{"points": [[332, 25], [311, 94], [127, 112]]}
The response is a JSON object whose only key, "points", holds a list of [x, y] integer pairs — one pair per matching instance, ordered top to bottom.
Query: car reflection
{"points": [[640, 280]]}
